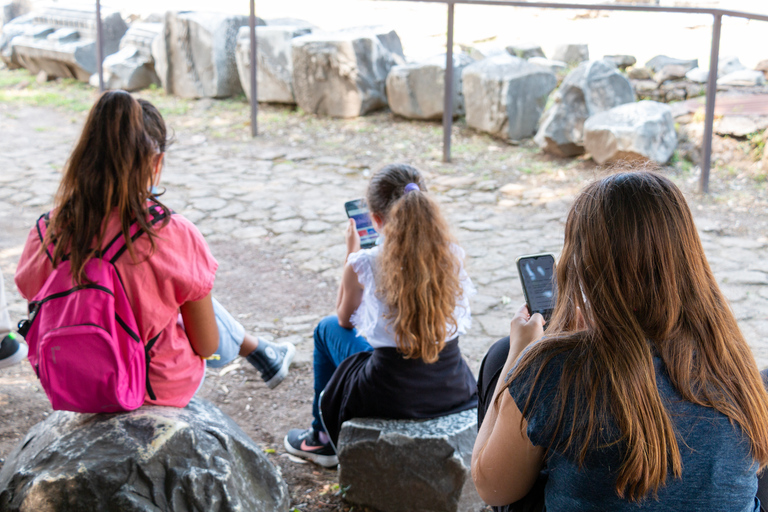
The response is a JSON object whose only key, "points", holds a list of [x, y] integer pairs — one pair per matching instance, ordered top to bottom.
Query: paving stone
{"points": [[209, 203], [230, 210], [286, 226], [316, 226], [250, 232]]}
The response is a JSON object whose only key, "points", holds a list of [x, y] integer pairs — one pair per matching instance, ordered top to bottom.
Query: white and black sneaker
{"points": [[11, 351], [272, 360], [307, 445]]}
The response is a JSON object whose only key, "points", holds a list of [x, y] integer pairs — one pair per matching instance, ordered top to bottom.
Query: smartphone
{"points": [[358, 210], [537, 273]]}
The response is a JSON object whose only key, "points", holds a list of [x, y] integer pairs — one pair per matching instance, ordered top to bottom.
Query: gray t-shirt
{"points": [[718, 472]]}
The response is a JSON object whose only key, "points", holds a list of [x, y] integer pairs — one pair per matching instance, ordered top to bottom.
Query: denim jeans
{"points": [[231, 335], [333, 344]]}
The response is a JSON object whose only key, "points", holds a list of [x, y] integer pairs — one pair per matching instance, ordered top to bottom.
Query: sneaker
{"points": [[11, 351], [272, 361], [305, 444]]}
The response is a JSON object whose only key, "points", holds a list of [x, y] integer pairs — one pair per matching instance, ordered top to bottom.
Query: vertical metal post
{"points": [[99, 47], [254, 91], [448, 99], [709, 118]]}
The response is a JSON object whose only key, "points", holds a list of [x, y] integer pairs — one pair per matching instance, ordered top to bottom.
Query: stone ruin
{"points": [[59, 41], [132, 67]]}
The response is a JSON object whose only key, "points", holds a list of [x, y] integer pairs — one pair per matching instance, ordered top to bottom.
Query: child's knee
{"points": [[321, 331]]}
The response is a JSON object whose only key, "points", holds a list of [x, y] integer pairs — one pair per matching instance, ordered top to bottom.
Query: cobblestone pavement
{"points": [[291, 199]]}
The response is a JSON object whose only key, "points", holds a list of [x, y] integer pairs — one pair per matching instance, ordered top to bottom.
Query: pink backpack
{"points": [[84, 342]]}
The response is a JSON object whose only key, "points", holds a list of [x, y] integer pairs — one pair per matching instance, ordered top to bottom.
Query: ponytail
{"points": [[418, 272]]}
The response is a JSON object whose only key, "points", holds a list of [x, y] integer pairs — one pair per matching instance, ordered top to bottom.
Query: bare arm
{"points": [[350, 290], [200, 325], [505, 463]]}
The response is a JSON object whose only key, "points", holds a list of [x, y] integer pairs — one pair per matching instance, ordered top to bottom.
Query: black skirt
{"points": [[383, 384]]}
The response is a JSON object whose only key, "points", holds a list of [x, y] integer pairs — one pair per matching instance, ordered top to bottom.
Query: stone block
{"points": [[60, 41], [526, 50], [482, 51], [571, 53], [195, 55], [621, 61], [658, 62], [729, 64], [555, 66], [762, 66], [132, 67], [274, 68], [670, 72], [639, 73], [343, 74], [698, 75], [743, 78], [594, 86], [416, 90], [505, 95], [636, 131], [153, 458], [410, 465]]}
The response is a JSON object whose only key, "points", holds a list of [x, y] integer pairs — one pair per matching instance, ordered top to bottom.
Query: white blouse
{"points": [[369, 319]]}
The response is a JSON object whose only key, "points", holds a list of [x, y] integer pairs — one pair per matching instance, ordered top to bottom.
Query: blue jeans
{"points": [[231, 336], [333, 344]]}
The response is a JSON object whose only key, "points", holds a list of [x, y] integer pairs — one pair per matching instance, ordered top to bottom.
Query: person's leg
{"points": [[333, 344], [11, 351], [270, 359], [490, 371]]}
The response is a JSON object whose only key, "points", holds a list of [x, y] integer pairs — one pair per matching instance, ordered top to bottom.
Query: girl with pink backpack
{"points": [[121, 311]]}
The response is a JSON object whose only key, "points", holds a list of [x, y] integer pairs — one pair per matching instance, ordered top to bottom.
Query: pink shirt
{"points": [[180, 270]]}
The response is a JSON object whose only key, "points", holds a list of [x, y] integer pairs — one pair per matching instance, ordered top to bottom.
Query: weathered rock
{"points": [[14, 9], [290, 22], [60, 41], [526, 50], [482, 51], [571, 53], [195, 56], [621, 61], [657, 63], [728, 65], [555, 66], [763, 66], [132, 67], [274, 69], [670, 72], [639, 73], [343, 74], [698, 75], [744, 78], [594, 86], [416, 90], [505, 95], [740, 126], [636, 131], [154, 458], [425, 464]]}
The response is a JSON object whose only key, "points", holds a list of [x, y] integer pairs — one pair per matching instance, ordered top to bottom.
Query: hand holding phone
{"points": [[358, 211], [352, 237], [537, 273]]}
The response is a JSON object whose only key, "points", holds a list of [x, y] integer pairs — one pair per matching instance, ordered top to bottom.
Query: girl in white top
{"points": [[392, 350]]}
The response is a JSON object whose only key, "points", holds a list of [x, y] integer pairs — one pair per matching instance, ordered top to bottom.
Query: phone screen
{"points": [[358, 210], [537, 273]]}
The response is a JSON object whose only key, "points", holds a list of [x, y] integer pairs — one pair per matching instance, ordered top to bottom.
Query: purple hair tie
{"points": [[411, 187]]}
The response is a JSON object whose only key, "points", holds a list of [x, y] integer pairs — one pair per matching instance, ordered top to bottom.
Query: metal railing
{"points": [[709, 117]]}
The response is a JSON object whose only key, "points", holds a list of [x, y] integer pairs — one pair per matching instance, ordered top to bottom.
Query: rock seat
{"points": [[153, 458], [410, 465]]}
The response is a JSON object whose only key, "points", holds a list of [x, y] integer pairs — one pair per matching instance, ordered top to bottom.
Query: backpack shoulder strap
{"points": [[42, 228], [116, 247]]}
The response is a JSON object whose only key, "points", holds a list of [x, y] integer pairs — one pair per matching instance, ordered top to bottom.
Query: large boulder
{"points": [[13, 9], [60, 41], [526, 50], [571, 53], [195, 55], [621, 61], [658, 62], [729, 64], [274, 66], [132, 67], [763, 67], [343, 74], [743, 78], [594, 86], [417, 90], [505, 95], [636, 131], [154, 458], [410, 465]]}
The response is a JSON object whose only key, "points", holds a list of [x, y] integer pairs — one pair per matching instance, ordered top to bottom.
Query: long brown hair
{"points": [[109, 170], [633, 264], [418, 276]]}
